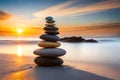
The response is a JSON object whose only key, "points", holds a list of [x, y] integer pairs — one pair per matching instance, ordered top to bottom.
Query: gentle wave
{"points": [[11, 63], [24, 67]]}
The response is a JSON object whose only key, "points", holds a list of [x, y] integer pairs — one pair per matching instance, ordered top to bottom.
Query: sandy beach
{"points": [[14, 68]]}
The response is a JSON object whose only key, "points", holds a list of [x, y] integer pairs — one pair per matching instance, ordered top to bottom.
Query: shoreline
{"points": [[71, 70]]}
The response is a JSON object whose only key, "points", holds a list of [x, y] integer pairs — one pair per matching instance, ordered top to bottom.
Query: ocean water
{"points": [[106, 51]]}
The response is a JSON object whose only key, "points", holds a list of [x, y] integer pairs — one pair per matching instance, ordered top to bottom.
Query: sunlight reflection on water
{"points": [[19, 50], [90, 52], [102, 53]]}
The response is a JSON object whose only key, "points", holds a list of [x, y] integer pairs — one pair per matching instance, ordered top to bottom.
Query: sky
{"points": [[73, 17]]}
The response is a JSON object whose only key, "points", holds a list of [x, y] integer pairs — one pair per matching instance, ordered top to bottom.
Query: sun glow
{"points": [[19, 31]]}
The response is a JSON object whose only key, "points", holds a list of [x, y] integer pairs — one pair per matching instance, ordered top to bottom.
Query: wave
{"points": [[11, 63], [23, 67]]}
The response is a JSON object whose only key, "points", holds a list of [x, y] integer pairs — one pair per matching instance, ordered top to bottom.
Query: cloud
{"points": [[65, 9], [52, 10], [4, 16], [107, 29]]}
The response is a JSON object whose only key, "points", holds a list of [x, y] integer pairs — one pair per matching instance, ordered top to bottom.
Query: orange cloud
{"points": [[64, 9], [4, 16], [110, 29]]}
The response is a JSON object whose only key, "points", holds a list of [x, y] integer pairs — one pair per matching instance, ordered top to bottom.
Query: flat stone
{"points": [[49, 18], [50, 21], [50, 24], [50, 28], [51, 32], [51, 38], [47, 44], [50, 52], [43, 61]]}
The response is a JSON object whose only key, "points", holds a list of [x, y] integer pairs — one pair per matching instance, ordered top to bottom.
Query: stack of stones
{"points": [[48, 55]]}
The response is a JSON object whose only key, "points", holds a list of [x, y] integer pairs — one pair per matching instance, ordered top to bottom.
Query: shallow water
{"points": [[107, 51], [12, 63]]}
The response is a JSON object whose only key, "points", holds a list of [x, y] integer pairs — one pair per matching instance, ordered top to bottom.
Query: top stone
{"points": [[49, 18]]}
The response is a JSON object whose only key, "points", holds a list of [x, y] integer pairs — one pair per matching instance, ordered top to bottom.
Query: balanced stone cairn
{"points": [[48, 55]]}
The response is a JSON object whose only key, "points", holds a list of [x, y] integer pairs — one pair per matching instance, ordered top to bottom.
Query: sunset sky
{"points": [[73, 17]]}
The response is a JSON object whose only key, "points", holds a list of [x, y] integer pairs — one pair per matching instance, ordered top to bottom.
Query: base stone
{"points": [[45, 61]]}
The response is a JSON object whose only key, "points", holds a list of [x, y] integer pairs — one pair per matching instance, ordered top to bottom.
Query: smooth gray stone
{"points": [[49, 18], [50, 21], [50, 24], [50, 28], [51, 32], [51, 38], [50, 52], [43, 61]]}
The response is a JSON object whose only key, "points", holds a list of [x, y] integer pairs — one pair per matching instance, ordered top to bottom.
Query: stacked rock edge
{"points": [[51, 38], [47, 44], [49, 53], [42, 61]]}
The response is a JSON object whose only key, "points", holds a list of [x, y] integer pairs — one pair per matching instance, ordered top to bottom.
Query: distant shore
{"points": [[77, 39]]}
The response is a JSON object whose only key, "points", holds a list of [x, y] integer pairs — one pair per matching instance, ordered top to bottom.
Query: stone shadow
{"points": [[64, 73]]}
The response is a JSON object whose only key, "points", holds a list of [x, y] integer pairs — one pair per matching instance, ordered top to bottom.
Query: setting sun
{"points": [[19, 30]]}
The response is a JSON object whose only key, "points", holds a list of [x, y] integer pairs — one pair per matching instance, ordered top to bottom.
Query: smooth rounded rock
{"points": [[49, 18], [50, 21], [50, 24], [50, 28], [51, 32], [51, 38], [47, 44], [50, 52], [43, 61]]}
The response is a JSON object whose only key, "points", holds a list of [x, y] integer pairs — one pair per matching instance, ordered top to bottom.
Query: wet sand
{"points": [[14, 68], [54, 73]]}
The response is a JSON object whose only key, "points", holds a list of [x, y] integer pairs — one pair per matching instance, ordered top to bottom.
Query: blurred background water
{"points": [[106, 51]]}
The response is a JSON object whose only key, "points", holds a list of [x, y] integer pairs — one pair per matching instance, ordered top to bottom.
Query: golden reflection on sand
{"points": [[15, 76]]}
